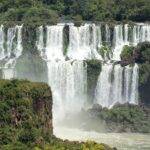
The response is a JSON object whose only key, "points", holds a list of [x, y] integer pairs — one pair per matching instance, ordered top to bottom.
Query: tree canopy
{"points": [[91, 10]]}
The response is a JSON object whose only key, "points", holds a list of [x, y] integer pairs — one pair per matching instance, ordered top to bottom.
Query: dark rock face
{"points": [[93, 71], [145, 93]]}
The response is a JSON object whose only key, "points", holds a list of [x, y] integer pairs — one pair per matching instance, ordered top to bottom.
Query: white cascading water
{"points": [[126, 33], [141, 33], [107, 34], [2, 40], [84, 41], [119, 41], [40, 42], [96, 42], [54, 43], [12, 51], [67, 74], [131, 77], [66, 78], [68, 83], [115, 83], [127, 83], [134, 85], [117, 86], [116, 89], [102, 94]]}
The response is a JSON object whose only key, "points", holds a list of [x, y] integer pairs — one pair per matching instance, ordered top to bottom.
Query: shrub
{"points": [[40, 14], [78, 20], [105, 52], [127, 53], [7, 135], [28, 135], [15, 146]]}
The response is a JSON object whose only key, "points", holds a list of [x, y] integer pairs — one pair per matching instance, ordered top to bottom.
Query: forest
{"points": [[91, 10]]}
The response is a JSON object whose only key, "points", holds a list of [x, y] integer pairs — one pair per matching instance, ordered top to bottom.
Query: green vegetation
{"points": [[50, 11], [27, 12], [77, 20], [105, 52], [127, 53], [25, 109], [124, 118], [26, 119], [94, 146]]}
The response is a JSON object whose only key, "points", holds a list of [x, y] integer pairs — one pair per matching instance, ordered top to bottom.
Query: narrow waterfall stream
{"points": [[10, 50], [68, 73], [112, 88]]}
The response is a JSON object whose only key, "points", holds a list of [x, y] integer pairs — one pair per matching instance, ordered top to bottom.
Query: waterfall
{"points": [[126, 33], [141, 33], [11, 34], [107, 34], [136, 35], [2, 39], [119, 40], [40, 41], [86, 41], [83, 42], [96, 42], [54, 43], [10, 50], [67, 69], [8, 73], [67, 73], [66, 78], [68, 83], [127, 83], [134, 85], [117, 86], [103, 88], [116, 91]]}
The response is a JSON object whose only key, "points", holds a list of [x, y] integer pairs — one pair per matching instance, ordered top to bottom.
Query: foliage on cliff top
{"points": [[93, 10], [27, 12], [25, 110], [26, 119]]}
